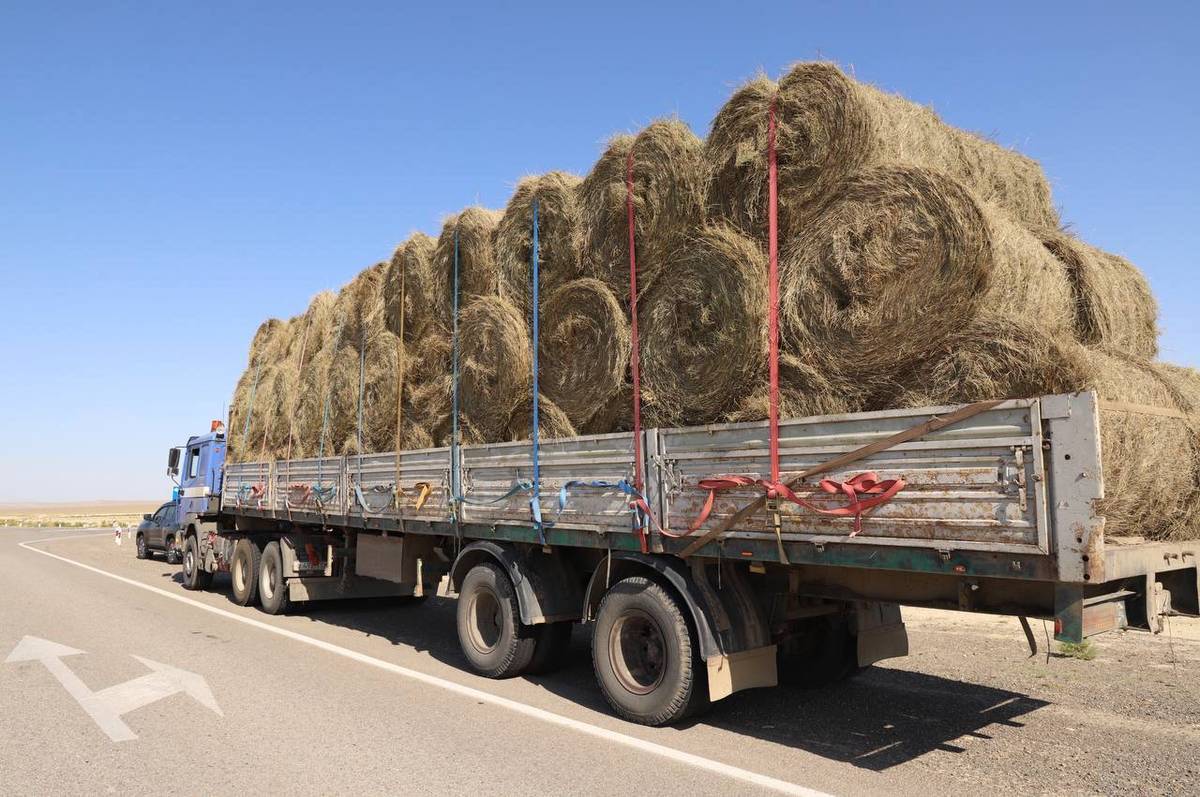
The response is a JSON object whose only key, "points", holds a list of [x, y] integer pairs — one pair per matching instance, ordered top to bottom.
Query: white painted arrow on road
{"points": [[107, 705]]}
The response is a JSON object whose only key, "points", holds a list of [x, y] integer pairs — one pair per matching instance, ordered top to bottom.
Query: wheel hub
{"points": [[487, 620], [637, 651]]}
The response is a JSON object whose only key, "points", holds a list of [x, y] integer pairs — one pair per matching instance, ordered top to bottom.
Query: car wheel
{"points": [[172, 551], [142, 552]]}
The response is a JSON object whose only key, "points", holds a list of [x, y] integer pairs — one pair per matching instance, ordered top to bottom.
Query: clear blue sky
{"points": [[173, 173]]}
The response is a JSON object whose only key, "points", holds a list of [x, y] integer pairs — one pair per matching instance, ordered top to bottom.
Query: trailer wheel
{"points": [[142, 552], [243, 572], [193, 577], [272, 586], [490, 632], [552, 646], [823, 652], [644, 654]]}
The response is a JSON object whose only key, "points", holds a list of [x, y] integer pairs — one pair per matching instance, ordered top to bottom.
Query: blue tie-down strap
{"points": [[519, 486], [378, 489], [637, 502]]}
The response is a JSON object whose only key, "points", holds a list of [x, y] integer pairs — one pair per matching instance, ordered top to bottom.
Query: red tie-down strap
{"points": [[864, 484]]}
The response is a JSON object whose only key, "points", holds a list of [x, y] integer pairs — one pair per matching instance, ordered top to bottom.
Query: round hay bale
{"points": [[830, 126], [668, 198], [560, 237], [903, 258], [478, 274], [426, 299], [1113, 303], [360, 305], [704, 332], [584, 348], [989, 357], [496, 364], [804, 391], [381, 392], [310, 406], [342, 413], [616, 415], [552, 421], [1151, 462]]}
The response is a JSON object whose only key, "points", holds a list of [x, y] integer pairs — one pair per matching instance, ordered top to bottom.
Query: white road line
{"points": [[670, 753]]}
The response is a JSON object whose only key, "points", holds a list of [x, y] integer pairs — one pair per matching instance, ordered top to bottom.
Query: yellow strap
{"points": [[426, 489]]}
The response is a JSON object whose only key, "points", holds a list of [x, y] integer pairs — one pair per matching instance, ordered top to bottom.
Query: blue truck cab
{"points": [[200, 474]]}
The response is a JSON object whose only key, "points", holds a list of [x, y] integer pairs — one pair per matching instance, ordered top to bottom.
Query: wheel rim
{"points": [[141, 545], [189, 562], [239, 575], [269, 580], [486, 620], [637, 650]]}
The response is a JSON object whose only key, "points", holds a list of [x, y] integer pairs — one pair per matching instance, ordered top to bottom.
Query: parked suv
{"points": [[160, 532]]}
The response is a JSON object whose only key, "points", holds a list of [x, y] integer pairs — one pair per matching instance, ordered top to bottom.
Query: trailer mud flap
{"points": [[881, 633], [746, 669]]}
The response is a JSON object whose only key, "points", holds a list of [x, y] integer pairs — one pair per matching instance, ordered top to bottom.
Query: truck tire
{"points": [[142, 551], [243, 572], [194, 578], [272, 586], [490, 632], [551, 648], [821, 653], [644, 654]]}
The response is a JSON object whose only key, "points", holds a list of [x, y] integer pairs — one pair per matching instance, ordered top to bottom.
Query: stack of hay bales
{"points": [[920, 264]]}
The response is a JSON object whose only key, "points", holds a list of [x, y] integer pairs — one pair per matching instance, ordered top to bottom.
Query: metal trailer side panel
{"points": [[491, 471], [373, 479], [972, 485]]}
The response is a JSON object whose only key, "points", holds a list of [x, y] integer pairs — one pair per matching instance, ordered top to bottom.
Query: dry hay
{"points": [[831, 126], [668, 198], [560, 237], [902, 259], [478, 274], [425, 299], [1113, 303], [360, 305], [704, 332], [584, 348], [496, 364], [428, 382], [381, 390], [804, 391], [616, 415], [552, 421], [1151, 463]]}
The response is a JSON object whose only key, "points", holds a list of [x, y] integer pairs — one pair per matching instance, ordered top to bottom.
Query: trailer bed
{"points": [[999, 512]]}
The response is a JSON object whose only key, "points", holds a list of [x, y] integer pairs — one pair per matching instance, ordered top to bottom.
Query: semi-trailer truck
{"points": [[698, 581]]}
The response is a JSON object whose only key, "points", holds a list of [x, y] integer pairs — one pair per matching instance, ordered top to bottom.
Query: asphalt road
{"points": [[371, 697]]}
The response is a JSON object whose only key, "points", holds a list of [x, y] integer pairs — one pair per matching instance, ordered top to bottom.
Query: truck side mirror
{"points": [[173, 462]]}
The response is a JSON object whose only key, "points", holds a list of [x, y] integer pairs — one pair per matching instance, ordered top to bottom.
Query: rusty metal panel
{"points": [[490, 472], [423, 479], [973, 484], [1075, 484], [310, 485]]}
